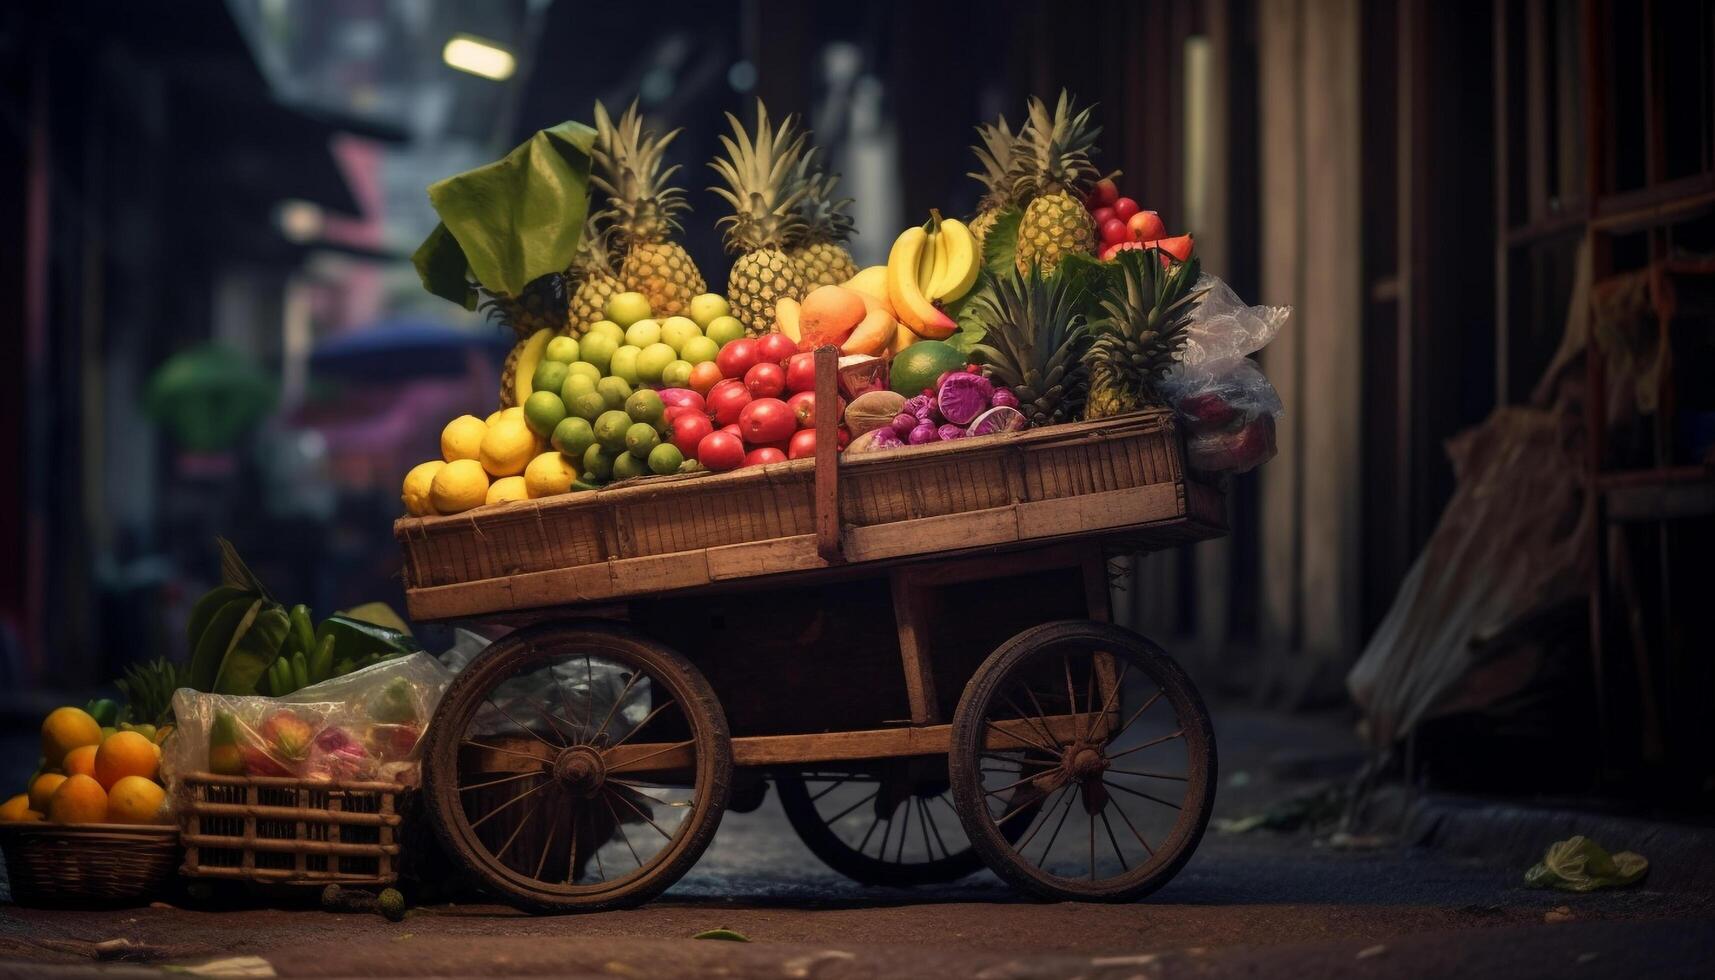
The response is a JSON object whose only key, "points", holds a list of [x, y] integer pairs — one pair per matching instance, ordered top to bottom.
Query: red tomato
{"points": [[1104, 193], [1124, 208], [1101, 216], [1145, 226], [1113, 230], [776, 347], [738, 357], [801, 372], [704, 376], [765, 379], [682, 396], [726, 399], [803, 405], [766, 420], [688, 430], [803, 444], [720, 451], [764, 454]]}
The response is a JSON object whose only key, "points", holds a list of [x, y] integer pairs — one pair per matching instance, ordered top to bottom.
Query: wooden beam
{"points": [[911, 615]]}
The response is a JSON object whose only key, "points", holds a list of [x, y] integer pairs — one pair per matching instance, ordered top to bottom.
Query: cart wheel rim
{"points": [[1093, 739], [577, 766]]}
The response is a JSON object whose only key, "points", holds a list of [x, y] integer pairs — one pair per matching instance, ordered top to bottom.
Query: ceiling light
{"points": [[479, 57]]}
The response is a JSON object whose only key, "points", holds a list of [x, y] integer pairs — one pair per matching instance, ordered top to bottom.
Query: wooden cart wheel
{"points": [[1104, 734], [575, 767], [890, 824]]}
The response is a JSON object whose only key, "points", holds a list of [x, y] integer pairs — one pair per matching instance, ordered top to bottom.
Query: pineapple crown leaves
{"points": [[1054, 150], [995, 156], [758, 172], [642, 207], [825, 217], [594, 256], [542, 298], [1146, 310], [1034, 330]]}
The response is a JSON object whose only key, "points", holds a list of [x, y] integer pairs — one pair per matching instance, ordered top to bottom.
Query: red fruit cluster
{"points": [[1121, 225], [756, 404]]}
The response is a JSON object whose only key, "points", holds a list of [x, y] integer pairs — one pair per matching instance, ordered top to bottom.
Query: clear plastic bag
{"points": [[1221, 396], [366, 725]]}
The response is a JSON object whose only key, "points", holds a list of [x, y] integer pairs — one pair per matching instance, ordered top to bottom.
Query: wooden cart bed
{"points": [[1121, 479]]}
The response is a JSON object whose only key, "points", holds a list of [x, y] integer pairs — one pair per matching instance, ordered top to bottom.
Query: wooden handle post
{"points": [[827, 453]]}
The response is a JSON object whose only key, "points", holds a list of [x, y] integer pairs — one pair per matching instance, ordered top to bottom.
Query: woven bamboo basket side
{"points": [[290, 831], [88, 864]]}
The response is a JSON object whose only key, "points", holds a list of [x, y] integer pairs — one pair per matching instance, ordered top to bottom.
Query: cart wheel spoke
{"points": [[1170, 736]]}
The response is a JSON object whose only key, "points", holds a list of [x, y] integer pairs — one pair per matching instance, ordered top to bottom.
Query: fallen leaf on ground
{"points": [[1579, 864], [726, 934], [231, 966]]}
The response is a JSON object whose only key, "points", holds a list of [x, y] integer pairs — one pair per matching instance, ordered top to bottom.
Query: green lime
{"points": [[627, 308], [607, 329], [676, 330], [723, 330], [643, 333], [562, 349], [699, 349], [597, 350], [652, 360], [623, 364], [916, 367], [584, 368], [677, 374], [549, 376], [576, 384], [614, 391], [588, 406], [645, 406], [543, 411], [610, 429], [573, 436], [641, 439], [666, 458], [598, 464], [626, 466], [580, 485]]}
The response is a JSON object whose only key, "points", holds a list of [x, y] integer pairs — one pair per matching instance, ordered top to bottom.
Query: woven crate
{"points": [[1121, 477], [290, 831], [88, 864]]}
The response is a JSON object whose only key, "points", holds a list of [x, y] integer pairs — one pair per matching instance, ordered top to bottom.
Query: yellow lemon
{"points": [[515, 412], [462, 438], [508, 447], [549, 474], [459, 486], [507, 488], [416, 491], [65, 729], [125, 754], [80, 761], [42, 789], [79, 799], [135, 800], [18, 808]]}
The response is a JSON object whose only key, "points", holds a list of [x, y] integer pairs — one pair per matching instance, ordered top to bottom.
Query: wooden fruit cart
{"points": [[684, 640]]}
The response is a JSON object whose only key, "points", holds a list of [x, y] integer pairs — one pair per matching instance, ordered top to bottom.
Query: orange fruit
{"points": [[65, 729], [125, 754], [80, 761], [42, 790], [79, 799], [135, 800], [18, 808]]}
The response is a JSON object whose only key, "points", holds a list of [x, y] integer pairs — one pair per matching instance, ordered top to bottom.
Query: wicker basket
{"points": [[290, 831], [88, 864]]}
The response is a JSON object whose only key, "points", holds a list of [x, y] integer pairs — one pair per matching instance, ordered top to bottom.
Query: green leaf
{"points": [[514, 220], [1000, 244], [444, 270], [964, 311], [236, 574], [205, 609], [379, 613], [355, 639], [212, 645], [254, 646], [1579, 864], [726, 935]]}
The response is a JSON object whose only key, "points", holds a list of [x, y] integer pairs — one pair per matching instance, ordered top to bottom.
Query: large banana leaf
{"points": [[511, 221], [216, 639], [254, 646]]}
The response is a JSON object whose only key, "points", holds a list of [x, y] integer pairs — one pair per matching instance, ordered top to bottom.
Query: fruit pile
{"points": [[1031, 313], [91, 773]]}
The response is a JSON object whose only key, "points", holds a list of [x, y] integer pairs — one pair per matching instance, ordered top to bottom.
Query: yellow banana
{"points": [[933, 265], [958, 273], [906, 296], [786, 317]]}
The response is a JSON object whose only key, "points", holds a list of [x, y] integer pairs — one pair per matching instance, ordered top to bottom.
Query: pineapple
{"points": [[996, 157], [1051, 173], [758, 175], [642, 211], [820, 252], [592, 272], [533, 315], [1142, 334], [1035, 336]]}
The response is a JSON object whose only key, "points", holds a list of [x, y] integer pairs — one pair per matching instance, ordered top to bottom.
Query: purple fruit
{"points": [[962, 397], [1003, 398], [994, 420], [904, 422], [950, 431], [924, 433], [886, 439]]}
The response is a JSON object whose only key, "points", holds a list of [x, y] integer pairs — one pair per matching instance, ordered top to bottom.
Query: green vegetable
{"points": [[303, 631], [255, 645], [321, 666], [300, 670], [279, 678], [393, 705], [105, 711]]}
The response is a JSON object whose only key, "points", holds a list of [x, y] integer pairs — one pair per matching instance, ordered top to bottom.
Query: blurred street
{"points": [[1282, 903]]}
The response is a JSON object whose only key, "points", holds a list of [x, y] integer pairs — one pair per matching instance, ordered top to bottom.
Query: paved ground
{"points": [[1249, 905]]}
